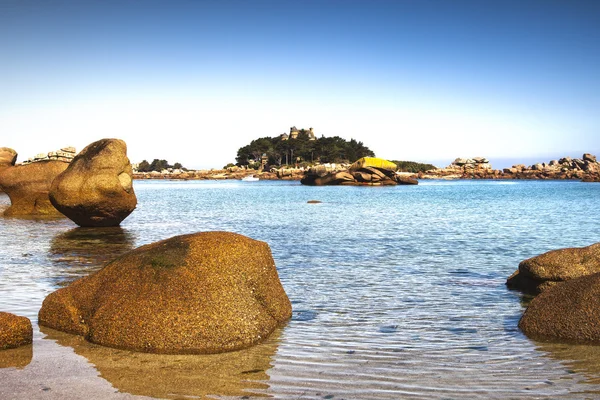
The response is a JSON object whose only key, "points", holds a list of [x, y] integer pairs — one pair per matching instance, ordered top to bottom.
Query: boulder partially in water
{"points": [[367, 171], [28, 188], [96, 189], [541, 272], [207, 292], [568, 312], [15, 331]]}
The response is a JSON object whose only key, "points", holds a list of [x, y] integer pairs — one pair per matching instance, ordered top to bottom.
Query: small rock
{"points": [[15, 331]]}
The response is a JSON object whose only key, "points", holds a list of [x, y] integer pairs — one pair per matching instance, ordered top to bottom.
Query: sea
{"points": [[397, 292]]}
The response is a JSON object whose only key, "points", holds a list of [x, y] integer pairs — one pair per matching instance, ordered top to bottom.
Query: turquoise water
{"points": [[398, 292]]}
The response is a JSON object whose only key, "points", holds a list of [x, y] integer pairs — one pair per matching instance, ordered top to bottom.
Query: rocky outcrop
{"points": [[65, 154], [8, 157], [586, 169], [366, 171], [28, 187], [96, 189], [538, 273], [201, 293], [567, 312], [15, 331]]}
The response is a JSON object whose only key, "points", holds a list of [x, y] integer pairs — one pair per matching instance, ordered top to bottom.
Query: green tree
{"points": [[144, 166]]}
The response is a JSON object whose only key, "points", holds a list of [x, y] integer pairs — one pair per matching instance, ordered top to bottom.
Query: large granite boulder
{"points": [[8, 157], [28, 186], [96, 189], [540, 272], [207, 292], [569, 312], [15, 331]]}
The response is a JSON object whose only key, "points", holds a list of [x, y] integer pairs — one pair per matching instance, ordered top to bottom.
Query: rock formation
{"points": [[65, 154], [8, 157], [585, 168], [367, 171], [28, 186], [96, 189], [540, 272], [208, 292], [567, 312], [15, 331]]}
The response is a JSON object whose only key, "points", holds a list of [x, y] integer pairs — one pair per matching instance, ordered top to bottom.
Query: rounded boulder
{"points": [[8, 157], [28, 188], [96, 189], [538, 273], [207, 292], [567, 312], [15, 331]]}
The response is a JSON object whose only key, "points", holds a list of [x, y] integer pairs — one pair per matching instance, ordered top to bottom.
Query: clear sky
{"points": [[192, 81]]}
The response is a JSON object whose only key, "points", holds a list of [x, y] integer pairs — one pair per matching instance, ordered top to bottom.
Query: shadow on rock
{"points": [[81, 251], [16, 358], [238, 373]]}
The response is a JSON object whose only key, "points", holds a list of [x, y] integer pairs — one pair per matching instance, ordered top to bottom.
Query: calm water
{"points": [[398, 292]]}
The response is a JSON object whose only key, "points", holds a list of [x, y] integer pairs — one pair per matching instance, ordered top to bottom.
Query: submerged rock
{"points": [[28, 187], [96, 189], [540, 272], [207, 292], [567, 312], [15, 331]]}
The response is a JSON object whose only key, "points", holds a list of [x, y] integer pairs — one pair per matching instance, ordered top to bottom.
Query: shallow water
{"points": [[398, 292]]}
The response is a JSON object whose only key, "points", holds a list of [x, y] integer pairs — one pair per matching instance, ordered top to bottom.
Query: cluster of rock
{"points": [[66, 154], [585, 168], [367, 171], [93, 189], [567, 282], [207, 292]]}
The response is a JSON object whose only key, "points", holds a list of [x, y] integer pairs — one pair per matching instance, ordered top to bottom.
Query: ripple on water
{"points": [[397, 292]]}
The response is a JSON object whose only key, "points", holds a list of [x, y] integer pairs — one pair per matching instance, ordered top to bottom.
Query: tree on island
{"points": [[302, 149], [157, 165]]}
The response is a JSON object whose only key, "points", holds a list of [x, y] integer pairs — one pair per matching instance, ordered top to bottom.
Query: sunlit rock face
{"points": [[28, 188], [96, 189], [541, 272], [207, 292], [567, 312], [15, 331]]}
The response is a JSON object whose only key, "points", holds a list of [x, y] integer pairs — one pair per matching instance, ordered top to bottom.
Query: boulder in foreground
{"points": [[28, 188], [96, 189], [540, 272], [207, 292], [569, 312], [15, 331]]}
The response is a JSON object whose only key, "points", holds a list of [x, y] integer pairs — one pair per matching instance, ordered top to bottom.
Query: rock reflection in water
{"points": [[81, 251], [16, 358], [581, 359], [238, 373]]}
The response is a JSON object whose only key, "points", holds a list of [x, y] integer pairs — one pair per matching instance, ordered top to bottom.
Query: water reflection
{"points": [[83, 250], [16, 358], [581, 359], [238, 373]]}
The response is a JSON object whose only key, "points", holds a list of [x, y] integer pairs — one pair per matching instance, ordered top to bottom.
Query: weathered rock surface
{"points": [[8, 157], [586, 169], [367, 171], [28, 187], [96, 189], [538, 273], [208, 292], [569, 312], [15, 331]]}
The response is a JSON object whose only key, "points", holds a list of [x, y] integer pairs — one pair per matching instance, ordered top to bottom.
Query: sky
{"points": [[193, 81]]}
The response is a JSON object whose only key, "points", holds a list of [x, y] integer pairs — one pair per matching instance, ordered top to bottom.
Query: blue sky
{"points": [[192, 81]]}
